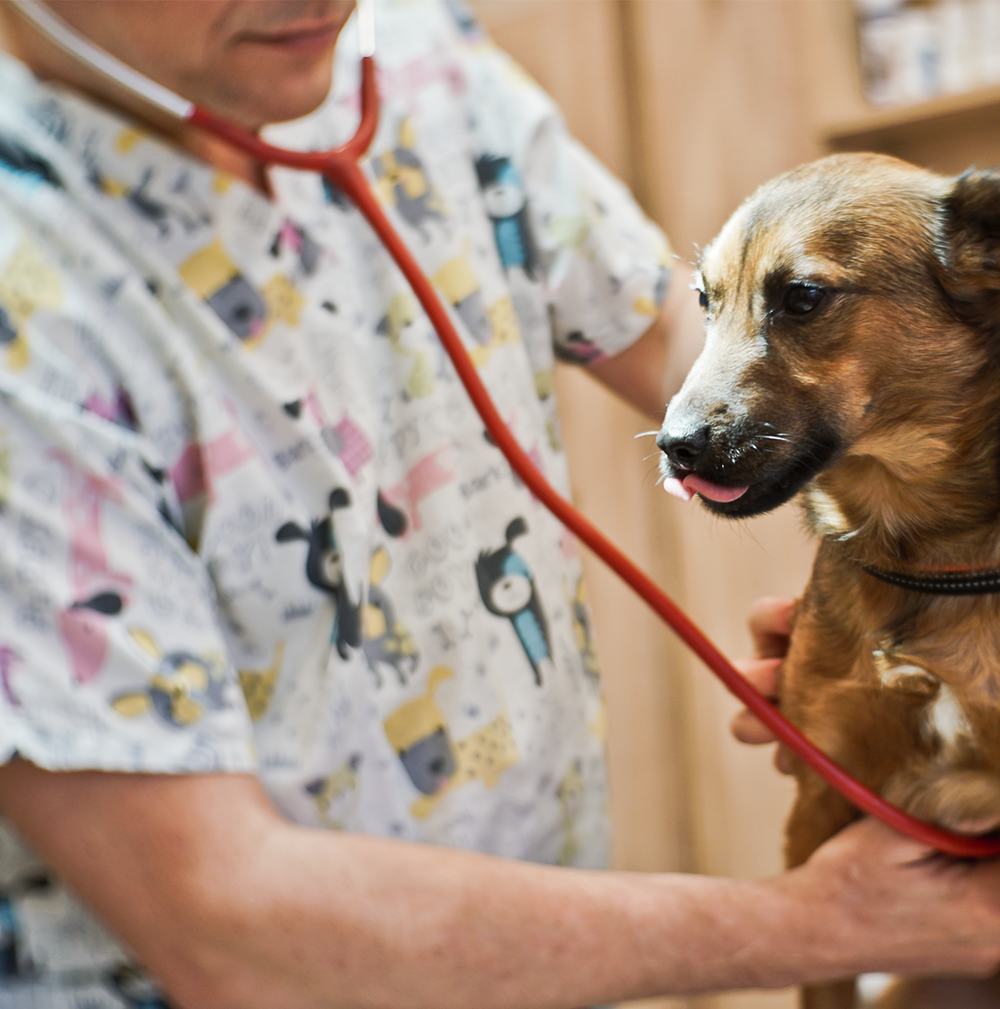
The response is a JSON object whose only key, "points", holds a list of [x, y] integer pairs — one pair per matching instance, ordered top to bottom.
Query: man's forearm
{"points": [[648, 373], [229, 905], [232, 907], [363, 922]]}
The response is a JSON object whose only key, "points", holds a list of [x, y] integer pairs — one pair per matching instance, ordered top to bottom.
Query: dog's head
{"points": [[852, 308]]}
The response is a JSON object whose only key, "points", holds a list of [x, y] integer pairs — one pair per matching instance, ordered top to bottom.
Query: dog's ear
{"points": [[969, 252]]}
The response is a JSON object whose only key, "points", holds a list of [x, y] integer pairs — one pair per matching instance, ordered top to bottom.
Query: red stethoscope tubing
{"points": [[341, 167]]}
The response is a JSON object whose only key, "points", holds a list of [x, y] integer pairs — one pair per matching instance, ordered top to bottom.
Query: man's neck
{"points": [[49, 63]]}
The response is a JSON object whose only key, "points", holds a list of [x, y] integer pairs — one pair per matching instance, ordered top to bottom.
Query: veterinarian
{"points": [[273, 608]]}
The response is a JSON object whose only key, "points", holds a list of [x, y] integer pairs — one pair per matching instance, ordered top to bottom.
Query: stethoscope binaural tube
{"points": [[332, 163], [341, 166]]}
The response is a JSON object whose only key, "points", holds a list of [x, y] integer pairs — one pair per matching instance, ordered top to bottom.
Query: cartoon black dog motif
{"points": [[507, 205], [391, 518], [324, 569], [507, 588]]}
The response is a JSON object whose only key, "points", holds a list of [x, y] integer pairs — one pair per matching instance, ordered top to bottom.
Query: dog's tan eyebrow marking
{"points": [[751, 232], [749, 235], [840, 240]]}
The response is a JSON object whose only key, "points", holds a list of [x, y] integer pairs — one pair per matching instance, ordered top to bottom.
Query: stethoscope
{"points": [[341, 166]]}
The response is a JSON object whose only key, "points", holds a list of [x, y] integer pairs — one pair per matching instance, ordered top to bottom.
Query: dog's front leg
{"points": [[817, 815], [940, 993], [835, 995]]}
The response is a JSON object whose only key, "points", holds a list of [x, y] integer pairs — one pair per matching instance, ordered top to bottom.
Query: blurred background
{"points": [[694, 103]]}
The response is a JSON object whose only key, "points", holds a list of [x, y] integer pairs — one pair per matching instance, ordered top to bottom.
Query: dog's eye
{"points": [[703, 299], [801, 299]]}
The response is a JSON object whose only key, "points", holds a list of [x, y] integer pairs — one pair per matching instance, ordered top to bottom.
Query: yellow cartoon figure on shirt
{"points": [[403, 183], [216, 279], [28, 284], [458, 284], [401, 314], [490, 326], [385, 641], [258, 684], [183, 687], [436, 765], [570, 792], [336, 795]]}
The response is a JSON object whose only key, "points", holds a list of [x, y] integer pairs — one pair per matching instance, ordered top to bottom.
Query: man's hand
{"points": [[771, 622], [914, 912]]}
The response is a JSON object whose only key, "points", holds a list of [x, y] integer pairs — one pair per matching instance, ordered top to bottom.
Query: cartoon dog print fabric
{"points": [[249, 522]]}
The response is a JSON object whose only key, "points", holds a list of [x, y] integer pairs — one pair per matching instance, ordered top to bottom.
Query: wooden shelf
{"points": [[881, 127]]}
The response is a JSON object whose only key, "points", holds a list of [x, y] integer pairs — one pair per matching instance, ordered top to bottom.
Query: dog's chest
{"points": [[947, 657], [942, 724]]}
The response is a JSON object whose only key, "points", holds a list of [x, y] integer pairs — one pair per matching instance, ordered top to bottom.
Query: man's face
{"points": [[253, 61]]}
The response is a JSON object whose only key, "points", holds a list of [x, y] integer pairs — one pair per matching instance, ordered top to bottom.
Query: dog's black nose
{"points": [[686, 451]]}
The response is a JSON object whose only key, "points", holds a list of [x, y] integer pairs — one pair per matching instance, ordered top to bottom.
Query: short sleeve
{"points": [[603, 263], [112, 653]]}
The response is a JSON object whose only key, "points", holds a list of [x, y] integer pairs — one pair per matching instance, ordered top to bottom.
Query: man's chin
{"points": [[277, 98]]}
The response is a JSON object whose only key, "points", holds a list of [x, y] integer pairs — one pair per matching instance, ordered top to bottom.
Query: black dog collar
{"points": [[941, 583]]}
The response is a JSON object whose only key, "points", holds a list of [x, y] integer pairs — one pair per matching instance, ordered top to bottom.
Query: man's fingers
{"points": [[771, 622], [763, 674], [747, 729], [783, 760], [870, 841]]}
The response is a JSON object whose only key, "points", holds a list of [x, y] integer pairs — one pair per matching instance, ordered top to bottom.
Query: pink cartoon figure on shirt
{"points": [[345, 439], [203, 463], [426, 476], [98, 591]]}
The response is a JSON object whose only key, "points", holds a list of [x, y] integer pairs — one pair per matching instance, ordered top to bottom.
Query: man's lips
{"points": [[299, 38], [686, 487]]}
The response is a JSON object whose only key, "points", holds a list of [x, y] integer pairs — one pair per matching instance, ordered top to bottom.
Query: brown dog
{"points": [[853, 359]]}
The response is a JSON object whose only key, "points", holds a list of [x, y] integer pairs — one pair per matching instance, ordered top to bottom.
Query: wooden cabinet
{"points": [[947, 133]]}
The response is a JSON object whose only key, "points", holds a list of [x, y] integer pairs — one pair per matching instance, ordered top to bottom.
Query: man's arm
{"points": [[649, 372], [230, 905]]}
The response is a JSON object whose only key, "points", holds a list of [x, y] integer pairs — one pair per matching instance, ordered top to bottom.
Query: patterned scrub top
{"points": [[249, 521]]}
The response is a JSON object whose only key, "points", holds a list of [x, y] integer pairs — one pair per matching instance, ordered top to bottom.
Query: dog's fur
{"points": [[880, 409]]}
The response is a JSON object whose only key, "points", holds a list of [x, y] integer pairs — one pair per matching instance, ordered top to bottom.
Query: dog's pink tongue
{"points": [[686, 489]]}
